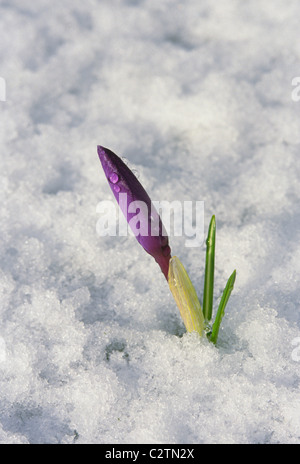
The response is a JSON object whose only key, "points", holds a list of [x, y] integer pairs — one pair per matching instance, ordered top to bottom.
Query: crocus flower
{"points": [[125, 186], [153, 238]]}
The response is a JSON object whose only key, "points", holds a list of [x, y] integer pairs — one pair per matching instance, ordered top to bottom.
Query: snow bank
{"points": [[198, 97]]}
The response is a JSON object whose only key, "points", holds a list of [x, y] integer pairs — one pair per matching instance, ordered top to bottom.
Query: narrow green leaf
{"points": [[208, 292], [221, 310]]}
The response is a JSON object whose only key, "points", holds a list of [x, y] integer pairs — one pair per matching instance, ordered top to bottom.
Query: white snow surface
{"points": [[197, 95]]}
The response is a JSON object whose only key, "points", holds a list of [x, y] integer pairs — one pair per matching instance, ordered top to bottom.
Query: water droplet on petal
{"points": [[114, 178], [116, 188]]}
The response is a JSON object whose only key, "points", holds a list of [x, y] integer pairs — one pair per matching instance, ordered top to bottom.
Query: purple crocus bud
{"points": [[132, 197]]}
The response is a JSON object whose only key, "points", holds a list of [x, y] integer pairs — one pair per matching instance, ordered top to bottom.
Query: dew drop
{"points": [[114, 178], [116, 188]]}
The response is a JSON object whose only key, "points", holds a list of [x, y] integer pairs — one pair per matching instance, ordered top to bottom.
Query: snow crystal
{"points": [[198, 97]]}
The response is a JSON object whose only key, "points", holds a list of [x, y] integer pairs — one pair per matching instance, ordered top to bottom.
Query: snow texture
{"points": [[197, 95]]}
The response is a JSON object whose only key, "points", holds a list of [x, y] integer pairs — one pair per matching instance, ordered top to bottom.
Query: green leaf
{"points": [[208, 292], [221, 310]]}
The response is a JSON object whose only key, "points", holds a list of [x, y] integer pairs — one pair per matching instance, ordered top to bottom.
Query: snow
{"points": [[198, 97]]}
